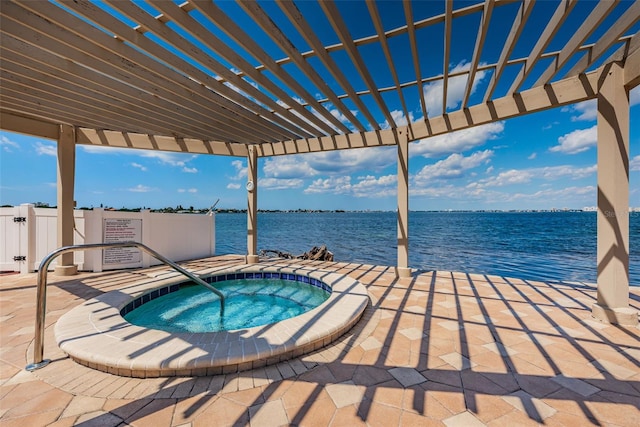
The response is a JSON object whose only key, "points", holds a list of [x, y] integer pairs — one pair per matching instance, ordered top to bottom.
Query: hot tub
{"points": [[97, 335]]}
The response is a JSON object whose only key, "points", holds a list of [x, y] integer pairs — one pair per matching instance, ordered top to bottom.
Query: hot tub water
{"points": [[249, 303]]}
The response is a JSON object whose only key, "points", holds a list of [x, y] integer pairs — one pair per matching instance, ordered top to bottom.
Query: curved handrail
{"points": [[41, 299]]}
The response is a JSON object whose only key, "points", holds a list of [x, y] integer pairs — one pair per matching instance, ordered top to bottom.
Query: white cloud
{"points": [[455, 89], [582, 111], [338, 115], [399, 118], [577, 141], [457, 142], [8, 144], [45, 149], [100, 149], [532, 156], [172, 159], [346, 161], [337, 162], [340, 162], [635, 164], [139, 166], [294, 166], [452, 167], [241, 170], [556, 172], [524, 176], [506, 178], [279, 184], [335, 185], [233, 186], [370, 186], [140, 189], [188, 190], [443, 192], [561, 195]]}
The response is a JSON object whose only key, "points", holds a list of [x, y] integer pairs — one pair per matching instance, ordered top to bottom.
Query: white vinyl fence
{"points": [[28, 234]]}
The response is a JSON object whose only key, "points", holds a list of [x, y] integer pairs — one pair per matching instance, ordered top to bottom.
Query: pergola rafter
{"points": [[256, 12], [377, 22], [227, 25], [553, 26], [340, 28], [411, 31], [514, 34], [477, 50], [95, 69]]}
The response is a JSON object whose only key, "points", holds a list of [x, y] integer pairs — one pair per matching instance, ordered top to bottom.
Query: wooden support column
{"points": [[66, 178], [613, 200], [252, 205], [402, 269]]}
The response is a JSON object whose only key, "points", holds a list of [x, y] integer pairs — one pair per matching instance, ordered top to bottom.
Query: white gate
{"points": [[15, 237]]}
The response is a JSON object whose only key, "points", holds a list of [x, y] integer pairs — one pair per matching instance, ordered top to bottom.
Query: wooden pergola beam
{"points": [[563, 92], [28, 126]]}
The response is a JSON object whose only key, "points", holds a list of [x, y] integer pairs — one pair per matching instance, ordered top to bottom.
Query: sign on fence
{"points": [[122, 230]]}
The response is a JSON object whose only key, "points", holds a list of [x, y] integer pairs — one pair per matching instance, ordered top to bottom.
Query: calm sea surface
{"points": [[538, 246]]}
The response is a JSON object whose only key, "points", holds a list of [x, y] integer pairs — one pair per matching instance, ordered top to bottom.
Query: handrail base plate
{"points": [[34, 366]]}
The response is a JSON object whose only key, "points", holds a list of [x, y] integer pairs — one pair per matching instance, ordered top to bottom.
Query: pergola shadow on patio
{"points": [[255, 80], [438, 348]]}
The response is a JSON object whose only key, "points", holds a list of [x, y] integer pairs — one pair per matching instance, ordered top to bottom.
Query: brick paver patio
{"points": [[438, 348]]}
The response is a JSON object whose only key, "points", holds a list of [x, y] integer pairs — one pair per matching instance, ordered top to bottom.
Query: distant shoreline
{"points": [[191, 210]]}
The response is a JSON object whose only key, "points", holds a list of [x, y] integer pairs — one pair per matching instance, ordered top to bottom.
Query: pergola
{"points": [[260, 79]]}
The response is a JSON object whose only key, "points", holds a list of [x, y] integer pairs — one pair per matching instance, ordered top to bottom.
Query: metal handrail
{"points": [[41, 299]]}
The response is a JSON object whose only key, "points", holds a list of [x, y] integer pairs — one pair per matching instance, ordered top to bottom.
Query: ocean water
{"points": [[547, 246]]}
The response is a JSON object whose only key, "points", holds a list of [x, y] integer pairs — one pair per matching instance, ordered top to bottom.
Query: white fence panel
{"points": [[46, 235], [173, 237]]}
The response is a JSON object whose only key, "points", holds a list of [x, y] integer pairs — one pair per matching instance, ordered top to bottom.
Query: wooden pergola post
{"points": [[66, 179], [613, 200], [252, 205], [402, 269]]}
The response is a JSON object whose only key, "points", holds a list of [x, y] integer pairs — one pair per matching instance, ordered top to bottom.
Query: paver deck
{"points": [[439, 348]]}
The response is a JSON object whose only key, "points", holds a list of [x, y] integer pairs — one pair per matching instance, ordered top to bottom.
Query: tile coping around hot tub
{"points": [[96, 335]]}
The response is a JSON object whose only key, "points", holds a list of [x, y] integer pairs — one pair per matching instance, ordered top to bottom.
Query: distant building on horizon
{"points": [[594, 209]]}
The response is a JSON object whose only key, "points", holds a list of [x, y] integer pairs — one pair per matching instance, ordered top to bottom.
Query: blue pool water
{"points": [[248, 303]]}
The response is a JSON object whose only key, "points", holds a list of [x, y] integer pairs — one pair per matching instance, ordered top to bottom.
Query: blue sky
{"points": [[540, 161]]}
